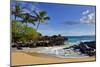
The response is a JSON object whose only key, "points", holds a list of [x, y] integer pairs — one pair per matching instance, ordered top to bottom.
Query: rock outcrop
{"points": [[44, 41], [88, 48]]}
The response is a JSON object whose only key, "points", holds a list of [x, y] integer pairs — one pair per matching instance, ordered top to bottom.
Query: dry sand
{"points": [[22, 58]]}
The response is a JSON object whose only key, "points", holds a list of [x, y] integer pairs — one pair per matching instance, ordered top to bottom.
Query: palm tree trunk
{"points": [[15, 17], [37, 25], [36, 31]]}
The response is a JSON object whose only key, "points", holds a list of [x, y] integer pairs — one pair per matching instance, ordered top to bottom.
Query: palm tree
{"points": [[16, 11], [40, 17], [27, 18]]}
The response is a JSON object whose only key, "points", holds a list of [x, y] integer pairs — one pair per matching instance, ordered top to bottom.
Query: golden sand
{"points": [[21, 58]]}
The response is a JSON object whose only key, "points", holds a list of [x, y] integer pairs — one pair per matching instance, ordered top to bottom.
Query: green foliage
{"points": [[16, 11], [41, 17], [27, 18], [20, 29], [18, 32], [31, 34]]}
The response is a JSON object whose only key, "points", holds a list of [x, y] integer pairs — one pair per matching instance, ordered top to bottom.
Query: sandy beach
{"points": [[24, 58]]}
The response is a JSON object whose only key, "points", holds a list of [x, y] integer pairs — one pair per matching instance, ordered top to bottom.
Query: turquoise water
{"points": [[74, 40], [58, 51]]}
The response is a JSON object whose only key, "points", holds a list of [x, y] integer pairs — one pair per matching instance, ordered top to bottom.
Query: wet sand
{"points": [[24, 58]]}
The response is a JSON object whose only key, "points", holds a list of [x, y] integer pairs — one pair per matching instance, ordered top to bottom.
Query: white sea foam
{"points": [[60, 52]]}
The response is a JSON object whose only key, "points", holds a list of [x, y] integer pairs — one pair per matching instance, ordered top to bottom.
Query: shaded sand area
{"points": [[25, 58]]}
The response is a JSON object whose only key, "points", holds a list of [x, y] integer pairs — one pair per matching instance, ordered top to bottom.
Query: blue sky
{"points": [[67, 20]]}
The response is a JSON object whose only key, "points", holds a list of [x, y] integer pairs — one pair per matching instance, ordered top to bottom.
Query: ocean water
{"points": [[75, 40], [58, 51]]}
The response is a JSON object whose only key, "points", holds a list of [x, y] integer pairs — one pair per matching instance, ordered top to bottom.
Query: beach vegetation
{"points": [[40, 17], [21, 31], [18, 33]]}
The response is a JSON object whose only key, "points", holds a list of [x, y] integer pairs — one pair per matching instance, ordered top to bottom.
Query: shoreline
{"points": [[46, 50], [47, 55], [22, 58]]}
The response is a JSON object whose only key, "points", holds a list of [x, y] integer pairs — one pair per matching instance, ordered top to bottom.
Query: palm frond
{"points": [[17, 8], [35, 13], [42, 13], [46, 18]]}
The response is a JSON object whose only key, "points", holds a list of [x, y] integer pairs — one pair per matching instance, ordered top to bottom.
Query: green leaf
{"points": [[42, 13], [46, 18]]}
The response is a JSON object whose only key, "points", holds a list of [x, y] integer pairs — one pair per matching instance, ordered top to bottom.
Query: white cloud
{"points": [[86, 12], [88, 17]]}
